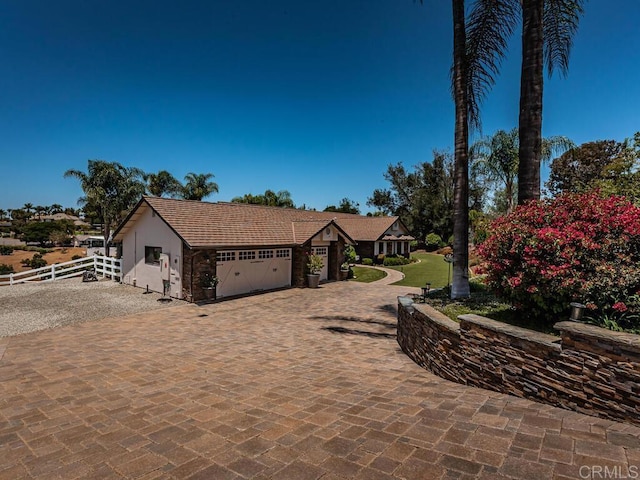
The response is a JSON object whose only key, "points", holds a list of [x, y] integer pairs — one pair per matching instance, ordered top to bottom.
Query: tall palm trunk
{"points": [[531, 83], [460, 285]]}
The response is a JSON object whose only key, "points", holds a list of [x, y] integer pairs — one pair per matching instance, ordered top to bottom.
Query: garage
{"points": [[252, 270]]}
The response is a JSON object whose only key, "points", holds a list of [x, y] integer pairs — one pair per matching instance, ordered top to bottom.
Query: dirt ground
{"points": [[57, 256]]}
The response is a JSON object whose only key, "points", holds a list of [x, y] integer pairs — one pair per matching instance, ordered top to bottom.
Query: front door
{"points": [[324, 253]]}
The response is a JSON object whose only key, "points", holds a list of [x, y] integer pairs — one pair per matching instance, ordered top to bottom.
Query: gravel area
{"points": [[38, 306]]}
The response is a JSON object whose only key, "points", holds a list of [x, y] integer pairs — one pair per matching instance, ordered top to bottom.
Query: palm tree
{"points": [[548, 27], [476, 59], [497, 158], [163, 183], [197, 186], [111, 190], [282, 198], [28, 207], [55, 208], [39, 209], [460, 282]]}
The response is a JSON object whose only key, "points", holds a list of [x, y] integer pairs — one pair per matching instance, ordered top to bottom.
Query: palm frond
{"points": [[560, 23], [489, 26], [555, 145]]}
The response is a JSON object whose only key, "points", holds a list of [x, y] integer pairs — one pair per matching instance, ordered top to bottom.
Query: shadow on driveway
{"points": [[350, 331]]}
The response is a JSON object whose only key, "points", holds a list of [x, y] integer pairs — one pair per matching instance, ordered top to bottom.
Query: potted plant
{"points": [[349, 258], [314, 266], [208, 282]]}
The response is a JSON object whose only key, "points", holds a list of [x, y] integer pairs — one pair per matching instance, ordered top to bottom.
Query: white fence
{"points": [[103, 266]]}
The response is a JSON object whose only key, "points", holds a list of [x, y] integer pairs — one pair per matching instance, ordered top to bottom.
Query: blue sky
{"points": [[312, 97]]}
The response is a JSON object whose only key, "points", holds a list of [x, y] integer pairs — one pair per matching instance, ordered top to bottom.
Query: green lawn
{"points": [[431, 269], [367, 275]]}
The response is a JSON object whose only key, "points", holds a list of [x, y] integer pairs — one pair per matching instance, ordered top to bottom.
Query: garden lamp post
{"points": [[449, 259], [577, 311]]}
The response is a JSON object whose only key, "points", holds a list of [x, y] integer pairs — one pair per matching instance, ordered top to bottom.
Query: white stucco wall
{"points": [[151, 231]]}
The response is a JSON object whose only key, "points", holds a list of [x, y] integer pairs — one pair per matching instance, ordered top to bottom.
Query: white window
{"points": [[320, 251], [265, 253], [285, 253], [247, 255], [225, 256]]}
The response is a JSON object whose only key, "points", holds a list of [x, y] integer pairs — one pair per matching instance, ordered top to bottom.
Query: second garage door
{"points": [[246, 271]]}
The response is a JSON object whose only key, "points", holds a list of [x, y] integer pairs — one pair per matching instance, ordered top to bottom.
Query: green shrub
{"points": [[432, 242], [574, 247], [6, 250], [349, 254], [77, 257], [379, 258], [367, 261], [395, 261], [36, 262], [5, 269]]}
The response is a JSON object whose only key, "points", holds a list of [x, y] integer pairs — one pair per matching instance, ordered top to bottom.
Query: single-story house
{"points": [[56, 217], [176, 246]]}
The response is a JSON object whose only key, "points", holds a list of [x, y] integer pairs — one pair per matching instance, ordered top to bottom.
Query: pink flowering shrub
{"points": [[574, 247]]}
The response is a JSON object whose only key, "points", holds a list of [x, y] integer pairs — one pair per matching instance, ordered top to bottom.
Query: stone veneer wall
{"points": [[194, 264], [298, 272], [588, 369]]}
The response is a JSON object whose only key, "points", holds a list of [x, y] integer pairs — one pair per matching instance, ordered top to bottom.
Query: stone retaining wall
{"points": [[587, 369]]}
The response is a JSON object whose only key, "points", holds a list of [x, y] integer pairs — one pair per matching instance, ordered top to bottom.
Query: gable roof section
{"points": [[204, 224], [366, 229]]}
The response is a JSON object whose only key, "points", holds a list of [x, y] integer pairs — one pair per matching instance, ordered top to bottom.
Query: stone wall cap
{"points": [[406, 302], [518, 332], [629, 340]]}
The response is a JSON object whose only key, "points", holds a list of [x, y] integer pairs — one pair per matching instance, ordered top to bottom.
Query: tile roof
{"points": [[221, 224]]}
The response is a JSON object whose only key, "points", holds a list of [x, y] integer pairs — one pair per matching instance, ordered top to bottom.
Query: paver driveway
{"points": [[297, 384]]}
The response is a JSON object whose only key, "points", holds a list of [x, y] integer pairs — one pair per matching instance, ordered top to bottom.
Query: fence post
{"points": [[53, 272], [11, 279]]}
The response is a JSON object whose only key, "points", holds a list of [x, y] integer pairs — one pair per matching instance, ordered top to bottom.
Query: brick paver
{"points": [[296, 384]]}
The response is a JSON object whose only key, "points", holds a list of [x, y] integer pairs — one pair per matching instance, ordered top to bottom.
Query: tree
{"points": [[548, 27], [497, 159], [606, 164], [163, 183], [198, 186], [111, 190], [282, 198], [423, 198], [346, 206], [27, 208], [56, 208], [39, 209], [3, 214], [19, 215], [39, 232], [460, 282]]}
